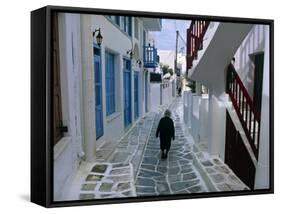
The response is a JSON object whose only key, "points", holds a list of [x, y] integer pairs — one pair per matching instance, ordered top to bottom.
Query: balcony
{"points": [[152, 24], [150, 57]]}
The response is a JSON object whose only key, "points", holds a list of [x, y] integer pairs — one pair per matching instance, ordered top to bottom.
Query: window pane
{"points": [[117, 20], [122, 23], [127, 25], [136, 29], [110, 84]]}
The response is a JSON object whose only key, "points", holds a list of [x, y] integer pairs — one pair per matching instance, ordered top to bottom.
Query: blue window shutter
{"points": [[118, 20], [107, 82], [110, 84]]}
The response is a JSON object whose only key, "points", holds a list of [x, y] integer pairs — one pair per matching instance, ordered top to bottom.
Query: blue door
{"points": [[127, 92], [98, 93], [136, 94]]}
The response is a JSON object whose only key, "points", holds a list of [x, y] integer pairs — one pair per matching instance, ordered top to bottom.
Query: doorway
{"points": [[258, 80], [127, 92], [98, 93]]}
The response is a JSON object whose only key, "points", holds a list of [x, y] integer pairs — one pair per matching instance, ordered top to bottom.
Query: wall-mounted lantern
{"points": [[98, 37], [130, 53], [139, 62]]}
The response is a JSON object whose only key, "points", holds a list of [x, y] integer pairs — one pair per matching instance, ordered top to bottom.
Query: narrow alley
{"points": [[107, 112], [133, 165], [173, 175]]}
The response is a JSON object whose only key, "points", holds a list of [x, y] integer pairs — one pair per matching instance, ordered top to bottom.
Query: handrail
{"points": [[194, 39], [244, 107]]}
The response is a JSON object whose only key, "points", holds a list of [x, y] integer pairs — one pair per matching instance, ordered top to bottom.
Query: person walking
{"points": [[179, 91], [166, 130]]}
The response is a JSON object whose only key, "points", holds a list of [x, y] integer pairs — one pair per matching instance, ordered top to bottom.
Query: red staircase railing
{"points": [[194, 40], [244, 106]]}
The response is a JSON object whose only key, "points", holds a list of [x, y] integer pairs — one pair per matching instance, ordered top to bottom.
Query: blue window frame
{"points": [[115, 19], [126, 25], [144, 38], [110, 83], [98, 93]]}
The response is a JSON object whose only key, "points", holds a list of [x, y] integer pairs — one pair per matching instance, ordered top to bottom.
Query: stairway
{"points": [[220, 43], [210, 51]]}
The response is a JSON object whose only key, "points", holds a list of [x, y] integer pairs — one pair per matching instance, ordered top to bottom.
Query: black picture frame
{"points": [[41, 105]]}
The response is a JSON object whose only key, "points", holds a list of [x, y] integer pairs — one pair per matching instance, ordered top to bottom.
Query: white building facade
{"points": [[104, 88], [212, 118]]}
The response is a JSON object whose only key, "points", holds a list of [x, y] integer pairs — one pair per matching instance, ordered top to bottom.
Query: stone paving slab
{"points": [[221, 176], [108, 180]]}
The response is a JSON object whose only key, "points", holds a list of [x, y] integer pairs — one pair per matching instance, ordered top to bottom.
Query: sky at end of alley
{"points": [[166, 38]]}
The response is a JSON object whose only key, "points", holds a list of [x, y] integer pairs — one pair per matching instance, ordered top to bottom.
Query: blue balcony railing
{"points": [[150, 57]]}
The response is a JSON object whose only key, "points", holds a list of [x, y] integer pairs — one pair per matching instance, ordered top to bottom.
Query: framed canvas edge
{"points": [[48, 169]]}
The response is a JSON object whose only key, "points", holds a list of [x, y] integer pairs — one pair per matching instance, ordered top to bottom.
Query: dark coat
{"points": [[167, 132]]}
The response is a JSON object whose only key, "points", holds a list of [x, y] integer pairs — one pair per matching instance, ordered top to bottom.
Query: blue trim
{"points": [[150, 57], [110, 83], [98, 92], [127, 92]]}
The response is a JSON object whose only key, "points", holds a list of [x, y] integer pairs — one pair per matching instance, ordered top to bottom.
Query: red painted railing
{"points": [[194, 40], [244, 107]]}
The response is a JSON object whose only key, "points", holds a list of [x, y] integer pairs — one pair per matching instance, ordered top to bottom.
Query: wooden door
{"points": [[259, 58], [237, 156]]}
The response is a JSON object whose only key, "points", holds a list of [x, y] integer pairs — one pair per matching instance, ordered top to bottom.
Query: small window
{"points": [[115, 19], [122, 22], [126, 24], [129, 26], [136, 29], [144, 38], [128, 65], [110, 83]]}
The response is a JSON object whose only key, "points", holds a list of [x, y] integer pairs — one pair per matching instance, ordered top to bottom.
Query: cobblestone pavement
{"points": [[123, 156], [133, 166], [174, 175], [219, 175], [108, 180]]}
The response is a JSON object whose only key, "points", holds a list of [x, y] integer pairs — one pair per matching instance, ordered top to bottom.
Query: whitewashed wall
{"points": [[111, 33], [257, 41], [244, 64], [77, 82], [167, 92], [160, 95], [155, 96], [187, 106], [195, 118], [216, 124], [68, 150], [262, 169]]}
